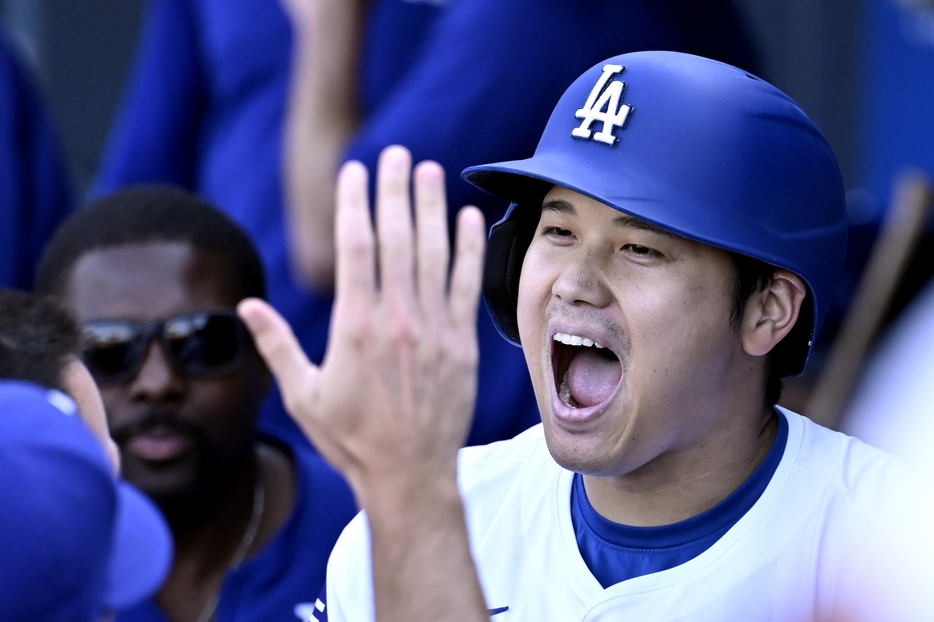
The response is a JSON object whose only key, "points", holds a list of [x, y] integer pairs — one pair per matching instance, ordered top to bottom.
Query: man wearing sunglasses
{"points": [[153, 275]]}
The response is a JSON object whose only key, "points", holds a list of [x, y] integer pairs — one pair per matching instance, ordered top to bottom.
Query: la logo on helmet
{"points": [[604, 104]]}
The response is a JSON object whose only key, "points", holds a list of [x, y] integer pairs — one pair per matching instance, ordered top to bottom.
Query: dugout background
{"points": [[81, 50]]}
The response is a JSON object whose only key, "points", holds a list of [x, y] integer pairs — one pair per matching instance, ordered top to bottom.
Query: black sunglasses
{"points": [[197, 344]]}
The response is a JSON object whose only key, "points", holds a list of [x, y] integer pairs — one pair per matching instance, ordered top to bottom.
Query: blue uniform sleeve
{"points": [[488, 75], [162, 106], [35, 193]]}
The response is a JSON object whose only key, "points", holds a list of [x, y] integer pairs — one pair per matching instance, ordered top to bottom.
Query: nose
{"points": [[581, 281], [157, 380]]}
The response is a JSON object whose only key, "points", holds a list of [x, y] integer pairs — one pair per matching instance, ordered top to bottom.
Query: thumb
{"points": [[278, 346]]}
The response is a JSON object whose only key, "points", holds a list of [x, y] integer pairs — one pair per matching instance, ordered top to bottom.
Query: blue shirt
{"points": [[469, 82], [34, 190], [615, 552], [290, 570]]}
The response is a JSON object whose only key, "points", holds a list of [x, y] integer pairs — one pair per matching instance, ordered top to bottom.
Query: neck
{"points": [[680, 484], [207, 533], [204, 551]]}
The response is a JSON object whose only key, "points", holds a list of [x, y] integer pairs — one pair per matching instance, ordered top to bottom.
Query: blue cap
{"points": [[75, 541]]}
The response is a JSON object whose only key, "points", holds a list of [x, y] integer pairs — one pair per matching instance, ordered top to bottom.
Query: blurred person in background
{"points": [[458, 82], [34, 189], [153, 275], [891, 405], [77, 544]]}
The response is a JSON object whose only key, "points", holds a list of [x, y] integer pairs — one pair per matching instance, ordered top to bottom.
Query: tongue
{"points": [[592, 378]]}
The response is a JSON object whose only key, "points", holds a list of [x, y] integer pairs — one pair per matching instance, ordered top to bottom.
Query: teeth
{"points": [[576, 340], [564, 393]]}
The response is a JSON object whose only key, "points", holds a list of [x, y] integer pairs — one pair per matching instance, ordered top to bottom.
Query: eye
{"points": [[556, 232], [642, 252]]}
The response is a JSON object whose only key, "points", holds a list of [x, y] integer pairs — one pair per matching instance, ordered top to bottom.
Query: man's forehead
{"points": [[151, 277]]}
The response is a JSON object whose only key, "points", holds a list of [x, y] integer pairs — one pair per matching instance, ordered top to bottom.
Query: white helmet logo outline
{"points": [[604, 104]]}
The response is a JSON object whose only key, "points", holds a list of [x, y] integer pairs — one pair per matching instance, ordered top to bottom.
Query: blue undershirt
{"points": [[615, 553]]}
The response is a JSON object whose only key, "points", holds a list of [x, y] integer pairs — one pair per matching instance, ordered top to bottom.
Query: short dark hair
{"points": [[150, 213], [753, 275], [36, 338]]}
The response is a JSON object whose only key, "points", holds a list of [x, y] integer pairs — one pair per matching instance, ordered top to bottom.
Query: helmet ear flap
{"points": [[509, 240], [791, 354]]}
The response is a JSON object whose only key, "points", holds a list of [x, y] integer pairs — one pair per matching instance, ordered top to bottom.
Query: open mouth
{"points": [[586, 373]]}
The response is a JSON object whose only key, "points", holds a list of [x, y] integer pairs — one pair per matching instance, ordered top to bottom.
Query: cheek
{"points": [[533, 296], [529, 320], [682, 332], [530, 336], [113, 399], [235, 399]]}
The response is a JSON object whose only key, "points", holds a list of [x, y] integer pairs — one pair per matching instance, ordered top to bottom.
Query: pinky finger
{"points": [[467, 275]]}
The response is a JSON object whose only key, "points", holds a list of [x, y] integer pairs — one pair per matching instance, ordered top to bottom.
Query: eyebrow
{"points": [[623, 220]]}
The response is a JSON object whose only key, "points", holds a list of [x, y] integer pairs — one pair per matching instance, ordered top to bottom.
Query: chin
{"points": [[580, 452], [585, 464], [163, 483]]}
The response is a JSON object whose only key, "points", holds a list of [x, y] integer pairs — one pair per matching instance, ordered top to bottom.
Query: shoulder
{"points": [[503, 455], [486, 473], [864, 475], [861, 493], [871, 516]]}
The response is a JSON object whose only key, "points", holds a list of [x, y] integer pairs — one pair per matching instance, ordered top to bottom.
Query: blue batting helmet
{"points": [[695, 147]]}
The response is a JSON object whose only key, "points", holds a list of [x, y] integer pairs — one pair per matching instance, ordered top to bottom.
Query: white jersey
{"points": [[824, 539]]}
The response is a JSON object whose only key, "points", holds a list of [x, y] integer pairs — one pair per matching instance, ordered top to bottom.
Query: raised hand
{"points": [[393, 399]]}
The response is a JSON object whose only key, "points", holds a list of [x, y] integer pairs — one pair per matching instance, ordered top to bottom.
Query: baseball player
{"points": [[668, 257]]}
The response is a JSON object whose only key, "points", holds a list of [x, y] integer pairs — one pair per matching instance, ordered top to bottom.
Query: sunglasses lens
{"points": [[204, 344], [111, 350]]}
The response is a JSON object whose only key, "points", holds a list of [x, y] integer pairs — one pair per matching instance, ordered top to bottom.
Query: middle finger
{"points": [[394, 224]]}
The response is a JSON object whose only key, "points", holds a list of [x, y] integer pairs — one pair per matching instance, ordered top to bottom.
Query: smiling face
{"points": [[628, 336], [179, 436]]}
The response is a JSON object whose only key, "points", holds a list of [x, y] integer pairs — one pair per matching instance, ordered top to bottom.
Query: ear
{"points": [[771, 313]]}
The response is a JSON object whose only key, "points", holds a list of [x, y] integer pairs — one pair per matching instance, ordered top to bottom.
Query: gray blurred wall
{"points": [[80, 50]]}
